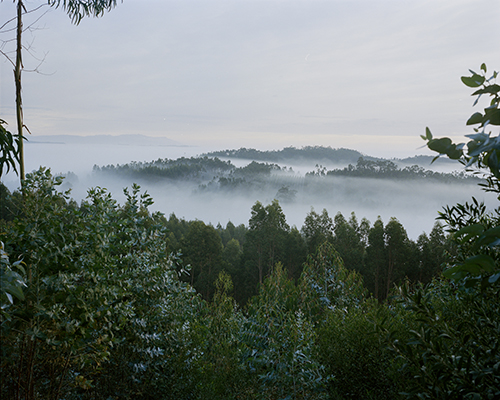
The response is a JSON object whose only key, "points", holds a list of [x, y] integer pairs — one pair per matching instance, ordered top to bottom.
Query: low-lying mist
{"points": [[414, 202]]}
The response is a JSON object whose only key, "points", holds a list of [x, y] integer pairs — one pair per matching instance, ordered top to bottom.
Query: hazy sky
{"points": [[367, 75]]}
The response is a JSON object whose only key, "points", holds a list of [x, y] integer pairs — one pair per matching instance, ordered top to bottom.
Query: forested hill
{"points": [[307, 153], [316, 154], [217, 173]]}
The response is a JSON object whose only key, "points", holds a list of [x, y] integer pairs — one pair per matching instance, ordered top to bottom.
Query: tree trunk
{"points": [[17, 78], [389, 273]]}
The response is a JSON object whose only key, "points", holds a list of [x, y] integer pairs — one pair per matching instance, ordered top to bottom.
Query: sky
{"points": [[363, 74]]}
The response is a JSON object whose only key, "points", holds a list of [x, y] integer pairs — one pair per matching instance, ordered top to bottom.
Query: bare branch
{"points": [[6, 23], [8, 58]]}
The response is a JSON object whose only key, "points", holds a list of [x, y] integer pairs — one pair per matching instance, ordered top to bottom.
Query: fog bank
{"points": [[414, 203]]}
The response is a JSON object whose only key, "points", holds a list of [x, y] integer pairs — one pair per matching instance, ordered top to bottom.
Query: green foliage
{"points": [[77, 9], [483, 151], [9, 153], [314, 153], [182, 168], [386, 169], [9, 204], [317, 229], [476, 231], [265, 238], [348, 241], [202, 250], [433, 252], [12, 282], [327, 285], [103, 300], [279, 343], [348, 346], [352, 351], [453, 351], [220, 373]]}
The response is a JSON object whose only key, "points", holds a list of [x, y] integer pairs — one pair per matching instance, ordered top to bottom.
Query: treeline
{"points": [[289, 154], [322, 154], [181, 168], [194, 168], [366, 168], [214, 174], [382, 254], [97, 301]]}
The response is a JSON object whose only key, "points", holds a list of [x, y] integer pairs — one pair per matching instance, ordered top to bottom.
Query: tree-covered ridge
{"points": [[288, 154], [316, 154], [181, 168], [366, 168], [214, 174]]}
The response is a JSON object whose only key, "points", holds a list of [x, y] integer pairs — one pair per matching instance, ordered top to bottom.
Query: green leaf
{"points": [[473, 81], [492, 89], [493, 115], [475, 118], [428, 134], [439, 145], [473, 230], [482, 261], [474, 269], [451, 272], [16, 291]]}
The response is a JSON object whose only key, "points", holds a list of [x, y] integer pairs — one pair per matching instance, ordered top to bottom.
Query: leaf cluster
{"points": [[9, 153]]}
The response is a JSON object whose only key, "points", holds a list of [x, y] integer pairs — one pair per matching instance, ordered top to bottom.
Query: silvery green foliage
{"points": [[475, 231], [12, 282], [327, 284], [105, 311], [279, 343], [452, 350]]}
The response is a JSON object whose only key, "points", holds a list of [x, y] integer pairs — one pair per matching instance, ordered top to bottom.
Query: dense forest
{"points": [[101, 300]]}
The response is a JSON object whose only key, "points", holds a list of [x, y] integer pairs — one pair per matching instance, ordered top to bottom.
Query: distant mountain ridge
{"points": [[121, 140]]}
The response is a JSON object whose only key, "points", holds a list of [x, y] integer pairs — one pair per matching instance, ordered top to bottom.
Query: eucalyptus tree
{"points": [[76, 10], [317, 229], [266, 236], [348, 241], [202, 249], [376, 259], [452, 352]]}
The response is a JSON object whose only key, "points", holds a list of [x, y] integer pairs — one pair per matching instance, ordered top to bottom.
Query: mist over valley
{"points": [[223, 185]]}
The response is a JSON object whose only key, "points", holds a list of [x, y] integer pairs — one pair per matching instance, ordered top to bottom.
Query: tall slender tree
{"points": [[76, 10], [267, 231], [375, 259]]}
